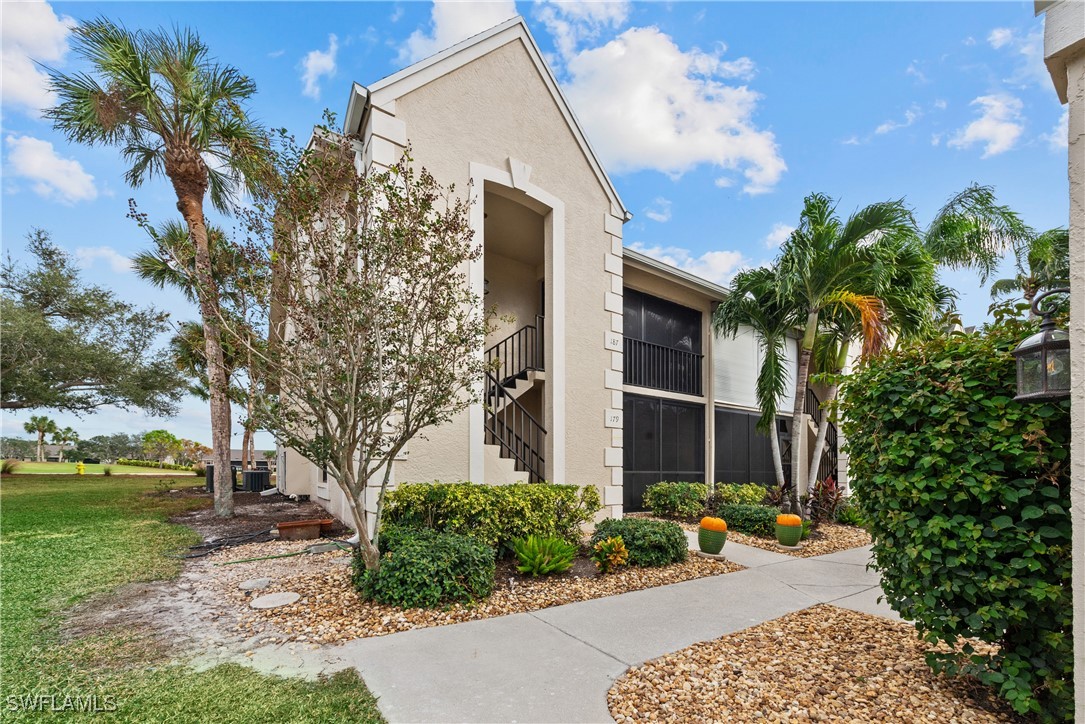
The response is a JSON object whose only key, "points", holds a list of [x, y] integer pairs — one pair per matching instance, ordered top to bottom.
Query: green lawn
{"points": [[69, 469], [66, 538]]}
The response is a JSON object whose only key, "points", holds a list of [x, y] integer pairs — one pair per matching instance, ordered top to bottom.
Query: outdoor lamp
{"points": [[1043, 360]]}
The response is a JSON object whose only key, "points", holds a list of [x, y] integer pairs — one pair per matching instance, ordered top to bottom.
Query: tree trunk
{"points": [[191, 208], [801, 380], [819, 442], [41, 446], [777, 458], [246, 462]]}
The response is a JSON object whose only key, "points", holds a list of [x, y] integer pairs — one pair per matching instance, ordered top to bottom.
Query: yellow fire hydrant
{"points": [[80, 468]]}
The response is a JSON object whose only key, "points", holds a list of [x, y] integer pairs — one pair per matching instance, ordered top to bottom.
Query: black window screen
{"points": [[655, 320], [663, 440], [743, 454]]}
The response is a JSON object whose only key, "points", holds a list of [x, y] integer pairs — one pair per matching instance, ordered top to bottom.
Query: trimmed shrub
{"points": [[966, 493], [736, 494], [676, 500], [494, 514], [759, 520], [391, 536], [649, 542], [543, 556], [429, 570]]}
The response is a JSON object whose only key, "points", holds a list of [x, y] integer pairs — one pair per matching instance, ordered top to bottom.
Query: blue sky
{"points": [[713, 119]]}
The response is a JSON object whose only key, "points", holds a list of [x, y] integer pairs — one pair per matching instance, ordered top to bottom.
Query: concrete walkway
{"points": [[557, 664]]}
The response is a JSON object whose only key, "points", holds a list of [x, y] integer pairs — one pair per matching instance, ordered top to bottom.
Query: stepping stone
{"points": [[254, 584], [274, 600]]}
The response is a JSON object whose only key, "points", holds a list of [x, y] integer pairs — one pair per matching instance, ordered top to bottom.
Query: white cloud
{"points": [[452, 22], [571, 23], [31, 31], [1000, 37], [969, 40], [1028, 53], [276, 54], [317, 64], [914, 71], [646, 104], [940, 104], [910, 116], [998, 127], [1059, 137], [936, 139], [852, 141], [51, 176], [724, 183], [660, 210], [778, 235], [88, 255], [715, 266]]}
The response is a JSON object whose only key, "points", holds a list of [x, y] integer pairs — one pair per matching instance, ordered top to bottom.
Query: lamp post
{"points": [[1043, 360]]}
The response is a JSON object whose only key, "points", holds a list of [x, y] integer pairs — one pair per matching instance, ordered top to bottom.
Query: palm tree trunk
{"points": [[191, 208], [801, 381], [823, 427], [41, 446], [777, 459]]}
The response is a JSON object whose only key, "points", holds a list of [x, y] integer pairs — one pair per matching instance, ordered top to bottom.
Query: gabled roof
{"points": [[429, 69]]}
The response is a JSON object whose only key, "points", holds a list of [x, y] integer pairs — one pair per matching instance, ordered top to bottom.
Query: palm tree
{"points": [[172, 111], [973, 231], [825, 258], [1042, 262], [171, 264], [753, 301], [43, 426]]}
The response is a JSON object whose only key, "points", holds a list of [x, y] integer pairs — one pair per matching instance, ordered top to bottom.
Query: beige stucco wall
{"points": [[1076, 94], [513, 294]]}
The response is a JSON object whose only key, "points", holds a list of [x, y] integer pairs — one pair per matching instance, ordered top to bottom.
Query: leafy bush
{"points": [[152, 464], [10, 467], [107, 470], [966, 493], [737, 494], [676, 500], [825, 501], [494, 514], [848, 514], [757, 520], [392, 536], [650, 542], [609, 554], [543, 556], [430, 570]]}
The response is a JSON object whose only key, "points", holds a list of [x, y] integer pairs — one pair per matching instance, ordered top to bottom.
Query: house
{"points": [[1064, 54], [610, 374]]}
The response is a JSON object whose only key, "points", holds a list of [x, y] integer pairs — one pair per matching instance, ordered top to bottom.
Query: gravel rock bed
{"points": [[828, 538], [330, 610], [820, 664]]}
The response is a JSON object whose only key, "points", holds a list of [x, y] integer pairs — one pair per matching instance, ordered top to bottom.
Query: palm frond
{"points": [[973, 231]]}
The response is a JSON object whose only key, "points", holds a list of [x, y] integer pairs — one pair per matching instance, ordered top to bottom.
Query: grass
{"points": [[26, 468], [64, 539]]}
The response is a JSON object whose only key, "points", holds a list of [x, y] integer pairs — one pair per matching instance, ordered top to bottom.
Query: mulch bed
{"points": [[253, 513], [828, 538], [331, 611], [820, 664]]}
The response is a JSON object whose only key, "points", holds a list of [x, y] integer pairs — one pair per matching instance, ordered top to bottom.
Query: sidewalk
{"points": [[557, 664]]}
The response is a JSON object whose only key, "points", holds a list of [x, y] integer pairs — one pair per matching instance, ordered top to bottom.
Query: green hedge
{"points": [[151, 464], [966, 493], [736, 494], [676, 500], [494, 514], [757, 520], [649, 542], [429, 570]]}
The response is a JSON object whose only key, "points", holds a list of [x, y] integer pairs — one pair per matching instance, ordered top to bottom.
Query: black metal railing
{"points": [[518, 353], [662, 368], [510, 426], [827, 466]]}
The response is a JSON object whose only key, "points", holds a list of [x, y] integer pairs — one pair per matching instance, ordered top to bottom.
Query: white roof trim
{"points": [[429, 69], [659, 268]]}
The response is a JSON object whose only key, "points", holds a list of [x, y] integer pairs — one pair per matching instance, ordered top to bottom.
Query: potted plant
{"points": [[788, 529], [711, 535]]}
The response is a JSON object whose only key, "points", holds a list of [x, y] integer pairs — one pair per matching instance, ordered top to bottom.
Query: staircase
{"points": [[515, 364], [827, 466]]}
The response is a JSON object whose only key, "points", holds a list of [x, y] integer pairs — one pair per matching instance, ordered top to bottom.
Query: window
{"points": [[662, 344], [664, 440], [743, 454]]}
